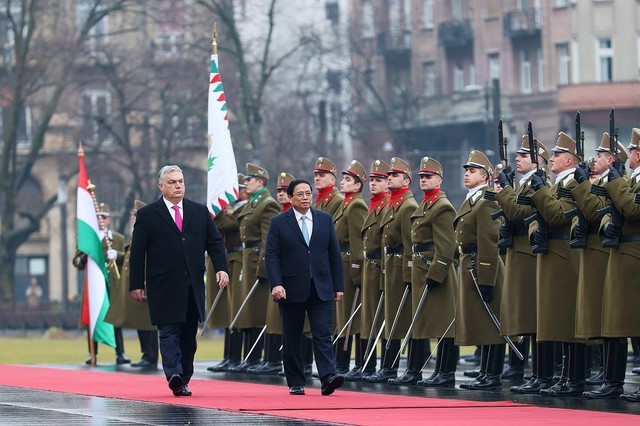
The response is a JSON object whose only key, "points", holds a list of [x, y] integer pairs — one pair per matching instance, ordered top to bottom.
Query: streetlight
{"points": [[62, 202]]}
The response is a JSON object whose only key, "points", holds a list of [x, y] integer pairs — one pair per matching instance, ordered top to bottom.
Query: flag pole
{"points": [[214, 40]]}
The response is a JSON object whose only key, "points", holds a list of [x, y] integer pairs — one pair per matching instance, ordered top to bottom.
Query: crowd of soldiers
{"points": [[504, 269]]}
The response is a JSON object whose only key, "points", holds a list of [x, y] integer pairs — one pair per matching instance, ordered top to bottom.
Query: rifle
{"points": [[543, 226], [506, 236], [580, 242]]}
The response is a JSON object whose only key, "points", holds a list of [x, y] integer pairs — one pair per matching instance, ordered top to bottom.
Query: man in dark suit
{"points": [[170, 237], [304, 266]]}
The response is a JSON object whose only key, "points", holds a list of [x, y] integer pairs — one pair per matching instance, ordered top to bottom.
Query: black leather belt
{"points": [[558, 235], [629, 238], [252, 244], [344, 248], [417, 248], [234, 249], [468, 249], [393, 250], [372, 255]]}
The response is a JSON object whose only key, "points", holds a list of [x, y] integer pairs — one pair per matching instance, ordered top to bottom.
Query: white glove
{"points": [[112, 254]]}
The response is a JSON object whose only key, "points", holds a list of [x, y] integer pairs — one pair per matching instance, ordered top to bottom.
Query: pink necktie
{"points": [[178, 217]]}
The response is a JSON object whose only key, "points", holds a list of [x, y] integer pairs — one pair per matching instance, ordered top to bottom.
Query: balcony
{"points": [[523, 23], [456, 33], [395, 45], [599, 96]]}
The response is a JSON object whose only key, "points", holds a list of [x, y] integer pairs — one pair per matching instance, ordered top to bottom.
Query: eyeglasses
{"points": [[303, 194]]}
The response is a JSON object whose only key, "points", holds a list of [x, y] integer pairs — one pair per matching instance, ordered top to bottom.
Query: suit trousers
{"points": [[320, 315], [178, 343]]}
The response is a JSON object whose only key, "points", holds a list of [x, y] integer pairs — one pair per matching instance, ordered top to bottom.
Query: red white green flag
{"points": [[222, 174], [96, 297]]}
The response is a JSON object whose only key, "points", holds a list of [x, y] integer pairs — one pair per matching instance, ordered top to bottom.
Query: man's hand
{"points": [[614, 173], [581, 175], [505, 178], [538, 180], [580, 230], [611, 230], [505, 232], [538, 237], [112, 254], [222, 278], [278, 292], [487, 293], [138, 295], [337, 295]]}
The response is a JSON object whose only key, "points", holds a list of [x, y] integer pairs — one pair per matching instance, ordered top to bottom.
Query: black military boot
{"points": [[235, 349], [272, 355], [343, 357], [417, 357], [121, 358], [253, 359], [446, 363], [222, 365], [482, 368], [388, 370], [515, 370], [614, 370], [356, 373], [542, 377], [598, 377], [492, 379], [573, 385]]}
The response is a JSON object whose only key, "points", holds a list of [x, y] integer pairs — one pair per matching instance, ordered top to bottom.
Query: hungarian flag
{"points": [[222, 174], [95, 301]]}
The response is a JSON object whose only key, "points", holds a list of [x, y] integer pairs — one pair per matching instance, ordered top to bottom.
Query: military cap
{"points": [[635, 139], [565, 143], [542, 150], [622, 152], [478, 160], [324, 165], [398, 165], [430, 166], [379, 169], [356, 170], [256, 171], [284, 179], [241, 181], [137, 205], [103, 210]]}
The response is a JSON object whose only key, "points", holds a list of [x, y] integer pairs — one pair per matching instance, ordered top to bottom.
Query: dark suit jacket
{"points": [[171, 260], [291, 263]]}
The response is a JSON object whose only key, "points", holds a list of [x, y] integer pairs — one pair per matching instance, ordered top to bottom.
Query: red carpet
{"points": [[342, 407]]}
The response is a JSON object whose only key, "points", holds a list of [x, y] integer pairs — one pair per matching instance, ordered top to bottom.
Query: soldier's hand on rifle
{"points": [[614, 173], [581, 174], [505, 178], [537, 181], [580, 230], [611, 230], [505, 231], [538, 237], [112, 254], [431, 283], [487, 293]]}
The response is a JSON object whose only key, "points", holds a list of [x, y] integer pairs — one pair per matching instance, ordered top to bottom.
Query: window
{"points": [[560, 3], [406, 8], [456, 9], [86, 13], [427, 13], [394, 16], [367, 19], [171, 27], [7, 32], [604, 58], [540, 63], [564, 64], [494, 66], [525, 72], [429, 73], [472, 74], [458, 78], [95, 108], [182, 124], [23, 130]]}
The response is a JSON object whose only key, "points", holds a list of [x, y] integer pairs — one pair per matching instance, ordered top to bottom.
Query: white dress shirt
{"points": [[309, 221]]}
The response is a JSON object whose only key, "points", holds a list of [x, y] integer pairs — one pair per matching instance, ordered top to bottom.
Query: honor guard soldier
{"points": [[284, 179], [329, 198], [255, 219], [348, 221], [229, 226], [396, 242], [593, 257], [481, 274], [434, 281], [372, 282], [519, 291], [621, 291], [557, 303], [125, 312]]}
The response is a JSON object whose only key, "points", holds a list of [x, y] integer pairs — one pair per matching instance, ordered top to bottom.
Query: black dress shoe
{"points": [[122, 359], [88, 361], [143, 363], [221, 366], [244, 366], [266, 368], [342, 370], [636, 370], [472, 373], [515, 373], [355, 375], [381, 376], [408, 378], [596, 379], [438, 380], [486, 382], [331, 383], [176, 384], [532, 387], [564, 388], [296, 390], [607, 390], [184, 391], [631, 397]]}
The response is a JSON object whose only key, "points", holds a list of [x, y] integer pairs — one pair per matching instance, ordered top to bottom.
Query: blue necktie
{"points": [[305, 231]]}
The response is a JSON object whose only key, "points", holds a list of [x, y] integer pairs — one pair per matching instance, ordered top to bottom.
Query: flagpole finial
{"points": [[214, 41], [80, 150]]}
